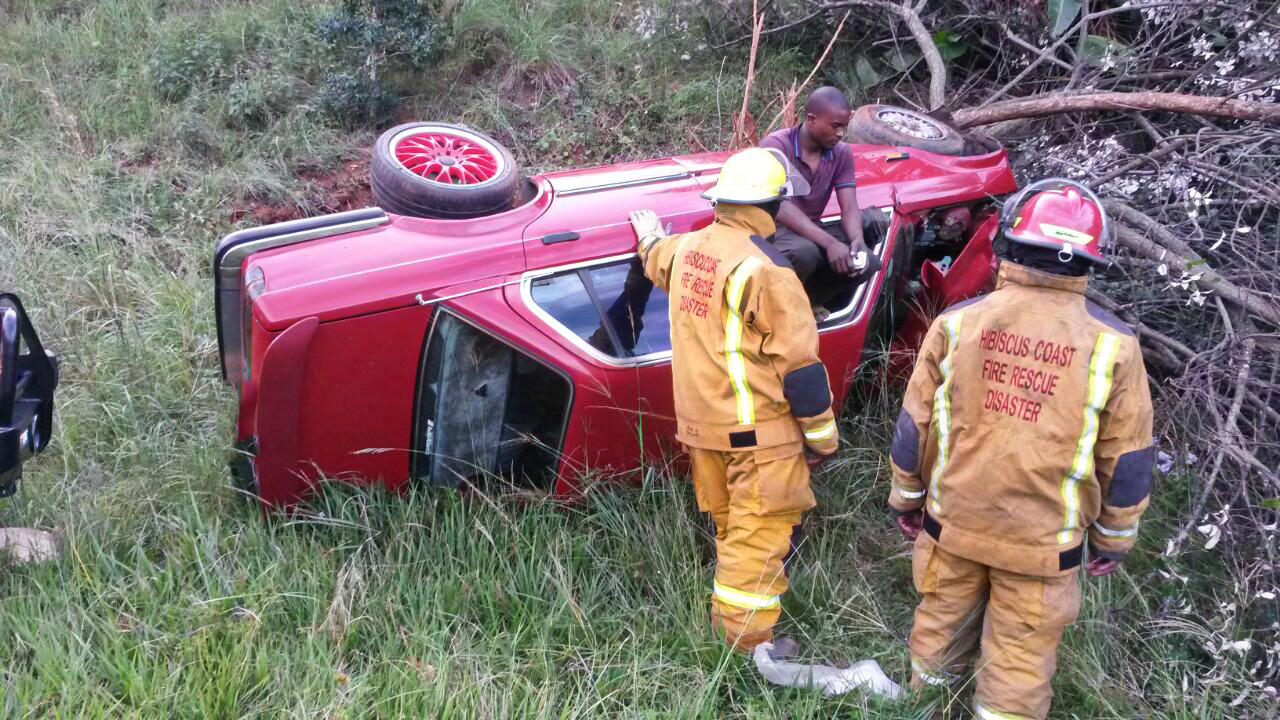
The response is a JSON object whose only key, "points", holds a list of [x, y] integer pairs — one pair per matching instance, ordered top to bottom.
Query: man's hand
{"points": [[646, 224], [857, 245], [839, 257], [815, 461], [911, 524], [1097, 567]]}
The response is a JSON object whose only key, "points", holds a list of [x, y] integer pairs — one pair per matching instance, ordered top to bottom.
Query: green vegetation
{"points": [[133, 133]]}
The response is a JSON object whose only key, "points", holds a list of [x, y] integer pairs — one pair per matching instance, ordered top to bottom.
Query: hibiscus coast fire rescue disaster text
{"points": [[699, 279], [1015, 363]]}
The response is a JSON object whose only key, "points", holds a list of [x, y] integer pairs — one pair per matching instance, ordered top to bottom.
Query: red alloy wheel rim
{"points": [[447, 159]]}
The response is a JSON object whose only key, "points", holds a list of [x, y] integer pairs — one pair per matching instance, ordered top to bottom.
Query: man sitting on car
{"points": [[825, 259]]}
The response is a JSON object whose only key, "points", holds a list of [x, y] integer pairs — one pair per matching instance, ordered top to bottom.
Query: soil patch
{"points": [[327, 190]]}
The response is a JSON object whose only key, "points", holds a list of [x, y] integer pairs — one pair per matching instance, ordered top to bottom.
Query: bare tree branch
{"points": [[924, 39], [1054, 103], [741, 134], [1148, 159], [1204, 276]]}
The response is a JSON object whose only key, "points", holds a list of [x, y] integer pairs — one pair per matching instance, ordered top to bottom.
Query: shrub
{"points": [[373, 46], [189, 60], [356, 99], [254, 101]]}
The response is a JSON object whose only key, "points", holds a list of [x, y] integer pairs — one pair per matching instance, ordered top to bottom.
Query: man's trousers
{"points": [[810, 261], [756, 497], [1012, 622]]}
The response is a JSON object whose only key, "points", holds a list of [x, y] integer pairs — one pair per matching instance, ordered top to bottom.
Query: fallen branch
{"points": [[924, 39], [1032, 48], [1048, 52], [1055, 103], [1139, 161], [1247, 185], [1127, 213], [1206, 277], [1143, 330], [1227, 434]]}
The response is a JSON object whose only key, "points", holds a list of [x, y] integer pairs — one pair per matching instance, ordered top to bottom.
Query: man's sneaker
{"points": [[820, 313]]}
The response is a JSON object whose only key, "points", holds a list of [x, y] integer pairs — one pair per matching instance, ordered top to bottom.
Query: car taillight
{"points": [[255, 283]]}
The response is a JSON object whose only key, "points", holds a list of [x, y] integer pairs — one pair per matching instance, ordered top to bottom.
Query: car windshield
{"points": [[612, 307]]}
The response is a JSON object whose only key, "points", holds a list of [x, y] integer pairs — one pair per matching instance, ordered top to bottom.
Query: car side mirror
{"points": [[28, 377]]}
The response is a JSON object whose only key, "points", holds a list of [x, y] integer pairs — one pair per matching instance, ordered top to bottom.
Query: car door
{"points": [[605, 319]]}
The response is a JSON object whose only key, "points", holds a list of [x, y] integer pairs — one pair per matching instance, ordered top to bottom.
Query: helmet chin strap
{"points": [[1062, 261]]}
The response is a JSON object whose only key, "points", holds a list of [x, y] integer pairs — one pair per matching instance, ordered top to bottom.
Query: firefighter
{"points": [[750, 391], [1024, 440]]}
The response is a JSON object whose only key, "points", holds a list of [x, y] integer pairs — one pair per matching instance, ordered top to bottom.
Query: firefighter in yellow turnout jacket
{"points": [[750, 392], [1024, 439]]}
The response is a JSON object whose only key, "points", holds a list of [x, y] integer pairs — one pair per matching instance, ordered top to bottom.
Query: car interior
{"points": [[485, 411]]}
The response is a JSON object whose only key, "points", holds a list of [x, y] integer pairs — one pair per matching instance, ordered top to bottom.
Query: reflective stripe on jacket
{"points": [[744, 343], [1026, 427]]}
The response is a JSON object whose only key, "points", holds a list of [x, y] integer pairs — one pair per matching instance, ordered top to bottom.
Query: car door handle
{"points": [[560, 237]]}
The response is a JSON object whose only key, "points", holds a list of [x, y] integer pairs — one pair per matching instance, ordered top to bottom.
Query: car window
{"points": [[565, 298], [581, 300], [636, 309]]}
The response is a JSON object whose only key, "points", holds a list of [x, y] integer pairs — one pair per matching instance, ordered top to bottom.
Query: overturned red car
{"points": [[483, 326]]}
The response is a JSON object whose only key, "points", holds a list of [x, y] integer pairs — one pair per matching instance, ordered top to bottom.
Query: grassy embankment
{"points": [[176, 599]]}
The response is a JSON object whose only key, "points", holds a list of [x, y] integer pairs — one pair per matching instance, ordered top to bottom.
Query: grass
{"points": [[176, 598]]}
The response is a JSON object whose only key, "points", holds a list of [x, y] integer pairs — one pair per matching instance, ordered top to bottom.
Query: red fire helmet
{"points": [[1059, 214]]}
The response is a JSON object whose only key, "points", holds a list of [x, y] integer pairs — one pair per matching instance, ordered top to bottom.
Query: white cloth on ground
{"points": [[24, 545], [832, 681]]}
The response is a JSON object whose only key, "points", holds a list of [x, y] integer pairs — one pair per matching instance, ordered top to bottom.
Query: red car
{"points": [[512, 336]]}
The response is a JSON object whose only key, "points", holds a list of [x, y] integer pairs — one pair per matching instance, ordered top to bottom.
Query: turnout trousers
{"points": [[756, 498], [1012, 622]]}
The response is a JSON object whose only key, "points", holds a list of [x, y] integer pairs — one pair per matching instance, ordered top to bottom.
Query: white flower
{"points": [[1202, 47], [1262, 47], [1214, 534], [1240, 646]]}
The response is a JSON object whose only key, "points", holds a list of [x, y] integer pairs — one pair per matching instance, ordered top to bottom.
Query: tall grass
{"points": [[177, 598]]}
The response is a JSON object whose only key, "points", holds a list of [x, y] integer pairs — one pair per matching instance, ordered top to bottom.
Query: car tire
{"points": [[892, 125], [480, 176]]}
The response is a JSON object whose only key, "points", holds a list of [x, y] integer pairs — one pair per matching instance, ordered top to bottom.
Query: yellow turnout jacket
{"points": [[744, 342], [1026, 428]]}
